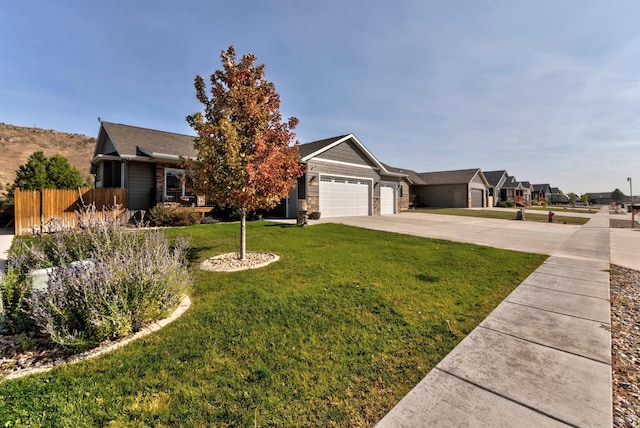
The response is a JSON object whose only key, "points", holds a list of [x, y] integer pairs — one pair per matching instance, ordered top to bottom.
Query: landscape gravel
{"points": [[625, 345]]}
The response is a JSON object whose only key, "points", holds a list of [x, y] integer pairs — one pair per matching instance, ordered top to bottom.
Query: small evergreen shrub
{"points": [[535, 203], [506, 204], [165, 215], [314, 215], [208, 220]]}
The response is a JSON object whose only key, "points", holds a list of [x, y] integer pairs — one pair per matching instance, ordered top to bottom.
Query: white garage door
{"points": [[342, 197], [386, 200]]}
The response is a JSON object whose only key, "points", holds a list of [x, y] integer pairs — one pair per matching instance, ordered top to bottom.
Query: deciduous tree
{"points": [[246, 156], [617, 195]]}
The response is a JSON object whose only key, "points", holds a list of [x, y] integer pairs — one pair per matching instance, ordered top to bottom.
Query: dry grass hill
{"points": [[17, 143]]}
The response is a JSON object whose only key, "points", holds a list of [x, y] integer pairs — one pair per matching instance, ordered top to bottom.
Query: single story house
{"points": [[144, 161], [344, 178], [496, 180], [465, 188], [512, 191], [541, 192], [557, 197]]}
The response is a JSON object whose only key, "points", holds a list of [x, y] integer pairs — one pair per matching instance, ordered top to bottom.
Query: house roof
{"points": [[132, 141], [315, 148], [307, 149], [450, 177], [493, 177], [511, 183], [526, 184], [539, 187], [554, 190]]}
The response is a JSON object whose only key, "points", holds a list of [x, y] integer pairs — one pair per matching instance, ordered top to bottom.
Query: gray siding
{"points": [[346, 152], [141, 179], [478, 180], [444, 196]]}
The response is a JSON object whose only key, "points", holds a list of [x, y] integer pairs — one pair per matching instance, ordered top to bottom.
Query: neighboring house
{"points": [[144, 161], [344, 178], [496, 180], [466, 188], [527, 190], [512, 191], [540, 193], [557, 197], [596, 198]]}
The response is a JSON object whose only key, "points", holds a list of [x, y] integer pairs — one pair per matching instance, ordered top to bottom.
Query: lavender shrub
{"points": [[128, 279]]}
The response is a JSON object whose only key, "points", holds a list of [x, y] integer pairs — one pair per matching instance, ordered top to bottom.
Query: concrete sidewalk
{"points": [[540, 359]]}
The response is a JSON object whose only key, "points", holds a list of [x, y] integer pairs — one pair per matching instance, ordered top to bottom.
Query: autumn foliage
{"points": [[246, 156]]}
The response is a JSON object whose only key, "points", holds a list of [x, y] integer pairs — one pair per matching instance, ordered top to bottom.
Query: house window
{"points": [[174, 183], [302, 187], [400, 190]]}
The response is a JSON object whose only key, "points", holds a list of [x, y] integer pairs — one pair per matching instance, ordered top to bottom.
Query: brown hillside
{"points": [[17, 143]]}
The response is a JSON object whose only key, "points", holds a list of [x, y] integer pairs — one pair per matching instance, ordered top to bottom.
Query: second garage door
{"points": [[342, 197], [477, 197], [386, 200]]}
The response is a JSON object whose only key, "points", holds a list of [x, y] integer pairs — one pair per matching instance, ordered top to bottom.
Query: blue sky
{"points": [[548, 90]]}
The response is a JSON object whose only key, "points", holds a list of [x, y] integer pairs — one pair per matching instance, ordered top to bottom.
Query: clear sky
{"points": [[548, 89]]}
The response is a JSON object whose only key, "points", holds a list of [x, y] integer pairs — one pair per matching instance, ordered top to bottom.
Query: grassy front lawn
{"points": [[566, 209], [507, 215], [334, 334]]}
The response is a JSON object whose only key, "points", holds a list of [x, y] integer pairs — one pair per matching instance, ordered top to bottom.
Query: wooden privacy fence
{"points": [[41, 210]]}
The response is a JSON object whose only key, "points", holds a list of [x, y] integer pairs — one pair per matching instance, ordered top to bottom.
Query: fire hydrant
{"points": [[551, 214]]}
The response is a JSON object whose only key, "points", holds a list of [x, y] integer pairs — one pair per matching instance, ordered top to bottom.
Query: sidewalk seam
{"points": [[544, 345], [507, 398]]}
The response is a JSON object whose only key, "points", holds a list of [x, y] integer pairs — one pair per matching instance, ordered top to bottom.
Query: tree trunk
{"points": [[243, 234]]}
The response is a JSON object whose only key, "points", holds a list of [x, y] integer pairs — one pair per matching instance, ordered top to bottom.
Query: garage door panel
{"points": [[341, 197], [387, 201]]}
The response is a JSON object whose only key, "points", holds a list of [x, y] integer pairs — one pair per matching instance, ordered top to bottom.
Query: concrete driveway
{"points": [[528, 236]]}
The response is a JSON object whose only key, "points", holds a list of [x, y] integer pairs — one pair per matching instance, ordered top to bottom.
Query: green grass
{"points": [[556, 208], [506, 215], [333, 334]]}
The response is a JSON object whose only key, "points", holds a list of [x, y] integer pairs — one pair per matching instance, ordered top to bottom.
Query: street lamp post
{"points": [[633, 219]]}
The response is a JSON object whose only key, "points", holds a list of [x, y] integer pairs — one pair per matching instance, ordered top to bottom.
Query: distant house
{"points": [[144, 161], [496, 180], [466, 188], [527, 190], [512, 191], [540, 193], [557, 197], [597, 198]]}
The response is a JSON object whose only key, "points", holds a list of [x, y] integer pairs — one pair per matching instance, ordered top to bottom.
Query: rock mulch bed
{"points": [[231, 262], [625, 345]]}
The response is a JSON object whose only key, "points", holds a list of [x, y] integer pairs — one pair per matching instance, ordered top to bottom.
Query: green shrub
{"points": [[535, 203], [506, 204], [166, 215], [314, 215], [208, 220]]}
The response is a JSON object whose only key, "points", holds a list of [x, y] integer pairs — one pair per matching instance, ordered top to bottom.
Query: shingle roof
{"points": [[132, 140], [312, 147], [411, 175], [448, 177], [493, 177], [511, 183], [539, 187]]}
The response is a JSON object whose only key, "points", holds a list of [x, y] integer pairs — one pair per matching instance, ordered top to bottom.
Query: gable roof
{"points": [[132, 141], [310, 150], [461, 176], [494, 177], [511, 183], [539, 187]]}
